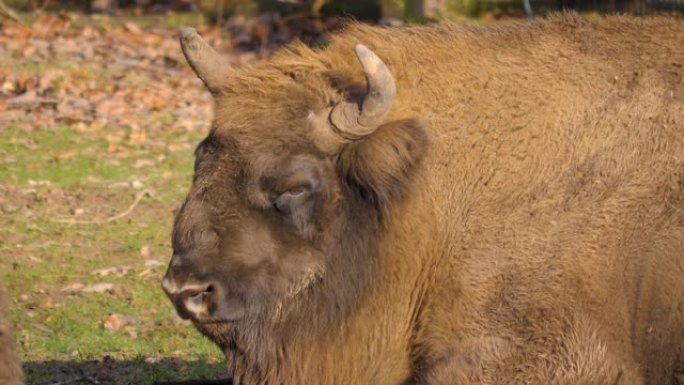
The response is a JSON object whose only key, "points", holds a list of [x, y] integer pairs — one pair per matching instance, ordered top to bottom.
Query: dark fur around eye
{"points": [[295, 197], [298, 208]]}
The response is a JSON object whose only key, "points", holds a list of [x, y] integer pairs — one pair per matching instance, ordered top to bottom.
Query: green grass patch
{"points": [[65, 157], [61, 330]]}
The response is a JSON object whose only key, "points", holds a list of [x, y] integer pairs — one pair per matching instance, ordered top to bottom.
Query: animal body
{"points": [[443, 205], [10, 366]]}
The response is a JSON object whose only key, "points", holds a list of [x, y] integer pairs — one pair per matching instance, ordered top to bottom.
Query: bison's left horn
{"points": [[207, 64], [353, 121]]}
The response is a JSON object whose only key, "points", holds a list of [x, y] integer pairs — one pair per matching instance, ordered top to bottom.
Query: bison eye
{"points": [[292, 198], [297, 206]]}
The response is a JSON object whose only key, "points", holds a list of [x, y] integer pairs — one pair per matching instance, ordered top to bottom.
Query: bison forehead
{"points": [[271, 103], [259, 140], [218, 153]]}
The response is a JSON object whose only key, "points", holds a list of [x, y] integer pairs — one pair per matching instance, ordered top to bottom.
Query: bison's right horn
{"points": [[207, 64], [353, 122]]}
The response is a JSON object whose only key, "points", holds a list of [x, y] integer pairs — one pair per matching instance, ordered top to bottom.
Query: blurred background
{"points": [[270, 22], [99, 116]]}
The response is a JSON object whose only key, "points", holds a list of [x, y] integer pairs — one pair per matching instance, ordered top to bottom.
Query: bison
{"points": [[448, 204], [10, 366]]}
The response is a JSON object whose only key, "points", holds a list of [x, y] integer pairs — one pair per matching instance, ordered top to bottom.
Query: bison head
{"points": [[292, 186]]}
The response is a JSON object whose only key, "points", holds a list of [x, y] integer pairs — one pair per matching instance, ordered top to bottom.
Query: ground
{"points": [[98, 122]]}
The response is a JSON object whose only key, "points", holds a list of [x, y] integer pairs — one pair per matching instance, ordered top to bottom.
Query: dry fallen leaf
{"points": [[133, 28], [137, 138], [63, 155], [142, 163], [146, 252], [118, 271], [78, 287], [73, 288], [100, 288], [118, 321], [112, 322]]}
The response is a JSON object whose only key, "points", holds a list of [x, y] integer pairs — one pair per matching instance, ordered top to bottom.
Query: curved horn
{"points": [[207, 64], [353, 122]]}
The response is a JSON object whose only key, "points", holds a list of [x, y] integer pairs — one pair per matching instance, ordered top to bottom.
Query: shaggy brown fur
{"points": [[518, 219], [10, 366]]}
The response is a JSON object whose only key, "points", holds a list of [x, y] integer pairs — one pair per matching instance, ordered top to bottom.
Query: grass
{"points": [[64, 157], [51, 173]]}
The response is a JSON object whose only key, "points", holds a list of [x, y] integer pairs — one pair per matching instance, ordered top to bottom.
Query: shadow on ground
{"points": [[169, 371]]}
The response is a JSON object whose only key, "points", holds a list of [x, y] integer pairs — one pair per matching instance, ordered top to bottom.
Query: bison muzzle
{"points": [[443, 205]]}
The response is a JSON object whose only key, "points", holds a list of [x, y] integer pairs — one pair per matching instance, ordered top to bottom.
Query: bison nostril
{"points": [[195, 291], [196, 294], [201, 294], [197, 298], [192, 300], [195, 302]]}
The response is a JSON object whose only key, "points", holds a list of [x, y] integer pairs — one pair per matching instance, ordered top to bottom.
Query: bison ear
{"points": [[379, 166]]}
